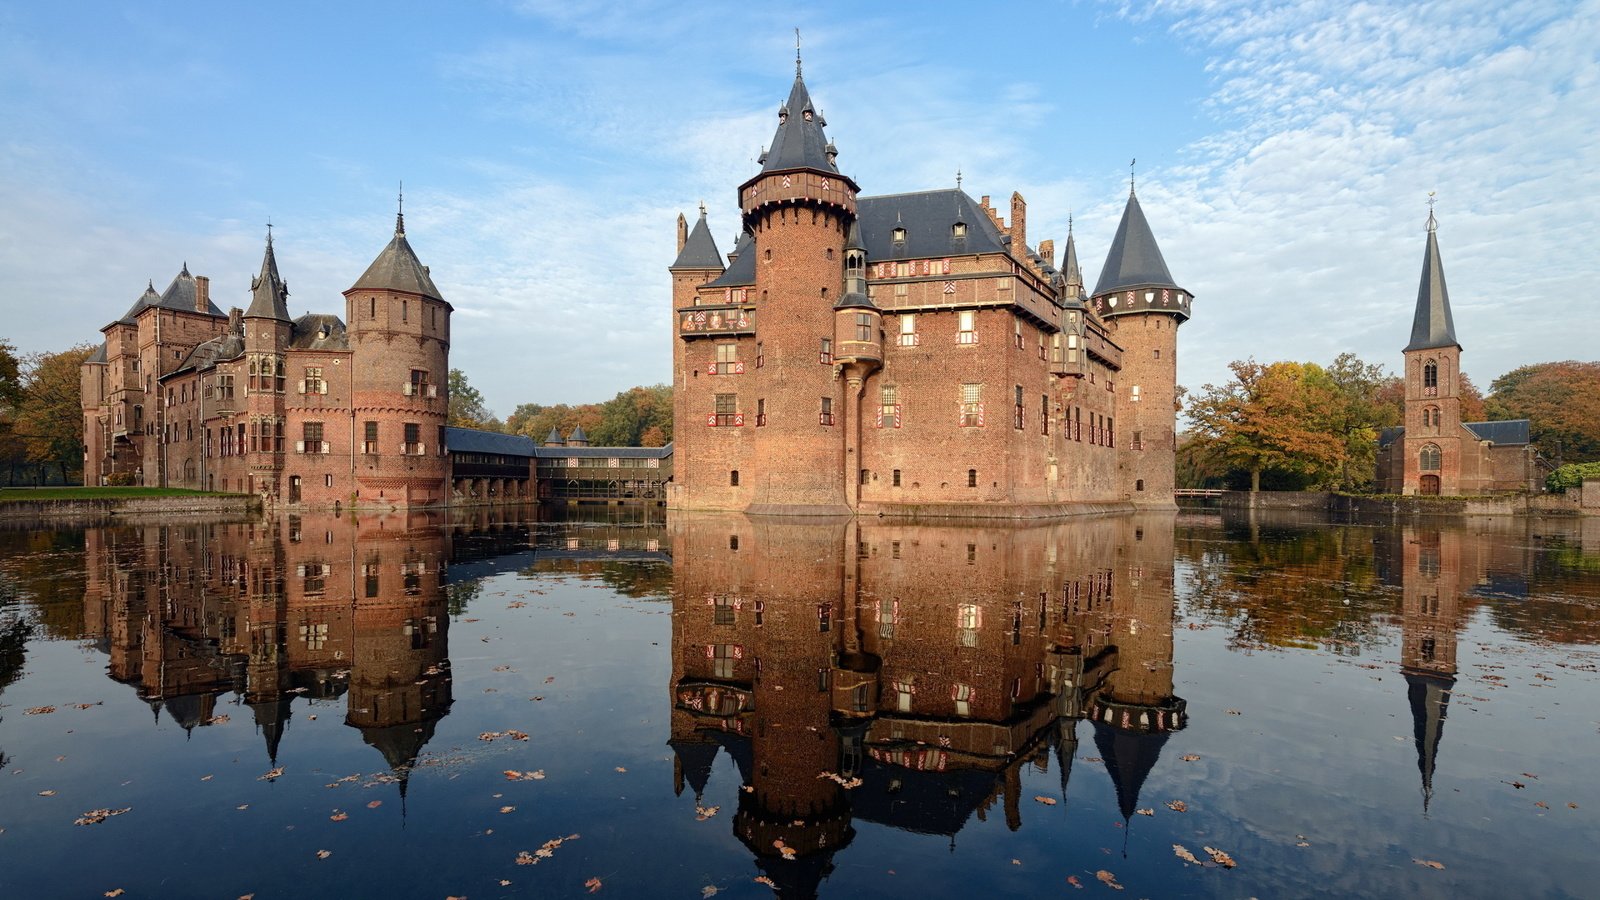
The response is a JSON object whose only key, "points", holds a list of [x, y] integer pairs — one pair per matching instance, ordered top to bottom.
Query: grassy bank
{"points": [[29, 495]]}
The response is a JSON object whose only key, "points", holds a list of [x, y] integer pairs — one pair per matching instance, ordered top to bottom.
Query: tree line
{"points": [[41, 416], [637, 417], [1300, 426]]}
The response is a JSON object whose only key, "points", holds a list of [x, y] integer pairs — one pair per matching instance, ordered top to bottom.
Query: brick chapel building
{"points": [[912, 353], [312, 410], [1435, 452]]}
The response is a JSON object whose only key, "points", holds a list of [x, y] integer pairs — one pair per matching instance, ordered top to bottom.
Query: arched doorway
{"points": [[1429, 484]]}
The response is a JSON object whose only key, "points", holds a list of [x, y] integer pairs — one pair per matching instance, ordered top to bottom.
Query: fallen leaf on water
{"points": [[502, 668], [550, 679], [87, 705], [39, 710], [1233, 712], [218, 720], [1190, 757], [1092, 759], [621, 769], [271, 775], [207, 777], [47, 793], [1047, 801], [374, 804], [1541, 804], [242, 806], [1177, 806], [1572, 806], [508, 809], [1145, 812], [702, 813], [339, 815], [96, 816], [1182, 852], [1223, 859], [1430, 863], [762, 879], [1108, 879], [1073, 880], [505, 883], [592, 884], [709, 890], [116, 892], [247, 897]]}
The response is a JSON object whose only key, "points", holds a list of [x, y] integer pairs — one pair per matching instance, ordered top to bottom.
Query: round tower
{"points": [[798, 209], [1137, 297], [399, 332]]}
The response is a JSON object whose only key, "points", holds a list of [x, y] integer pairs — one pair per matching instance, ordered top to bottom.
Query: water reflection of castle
{"points": [[315, 606], [932, 663]]}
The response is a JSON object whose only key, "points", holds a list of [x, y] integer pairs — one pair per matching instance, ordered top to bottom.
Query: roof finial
{"points": [[797, 53], [1131, 164], [958, 179], [702, 209], [400, 214], [1069, 220], [1433, 225], [269, 231]]}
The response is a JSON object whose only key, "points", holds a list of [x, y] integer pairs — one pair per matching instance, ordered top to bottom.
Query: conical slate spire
{"points": [[799, 142], [700, 250], [1135, 259], [1069, 265], [397, 268], [269, 296], [1432, 325]]}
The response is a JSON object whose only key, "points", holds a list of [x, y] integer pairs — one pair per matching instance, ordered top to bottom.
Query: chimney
{"points": [[1019, 221], [683, 232], [1047, 249], [202, 293], [236, 321]]}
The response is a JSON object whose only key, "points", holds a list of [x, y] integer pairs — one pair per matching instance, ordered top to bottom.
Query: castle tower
{"points": [[1138, 298], [399, 333], [266, 337], [765, 396], [1432, 449]]}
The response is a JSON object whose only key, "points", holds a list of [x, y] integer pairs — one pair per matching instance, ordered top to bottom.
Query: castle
{"points": [[911, 353], [314, 410], [1435, 452]]}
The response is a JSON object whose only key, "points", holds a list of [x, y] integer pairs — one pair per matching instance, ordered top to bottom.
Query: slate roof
{"points": [[799, 142], [929, 218], [700, 250], [1135, 259], [398, 269], [741, 269], [1072, 273], [179, 295], [269, 295], [1431, 324], [319, 331], [208, 353], [98, 356], [1511, 431], [1391, 434], [577, 435], [554, 437], [472, 440]]}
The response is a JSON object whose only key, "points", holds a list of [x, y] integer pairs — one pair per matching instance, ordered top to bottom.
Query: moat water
{"points": [[483, 704]]}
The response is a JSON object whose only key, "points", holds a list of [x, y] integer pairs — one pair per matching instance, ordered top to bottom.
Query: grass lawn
{"points": [[23, 495]]}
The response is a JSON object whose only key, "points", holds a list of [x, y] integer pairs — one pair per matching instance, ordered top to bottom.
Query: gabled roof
{"points": [[799, 142], [929, 219], [700, 250], [1135, 260], [398, 269], [741, 269], [179, 295], [269, 295], [1432, 325], [319, 331], [208, 353], [98, 357], [1511, 431], [1391, 434], [473, 440]]}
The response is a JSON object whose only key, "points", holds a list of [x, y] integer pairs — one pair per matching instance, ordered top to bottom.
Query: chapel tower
{"points": [[1138, 298], [399, 334], [1432, 451]]}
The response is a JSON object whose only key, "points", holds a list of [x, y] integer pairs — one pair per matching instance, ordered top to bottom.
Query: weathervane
{"points": [[797, 53], [1131, 163], [958, 179], [1432, 224]]}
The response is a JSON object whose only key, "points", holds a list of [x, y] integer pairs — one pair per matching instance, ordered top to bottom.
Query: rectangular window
{"points": [[902, 270], [1016, 325], [864, 327], [967, 327], [908, 331], [825, 354], [760, 357], [727, 360], [313, 383], [419, 386], [224, 387], [1133, 394], [971, 405], [889, 407], [727, 409], [761, 411], [1016, 411], [1044, 412], [826, 417], [311, 434], [413, 439], [369, 440], [1138, 440], [864, 475], [896, 480], [722, 611], [824, 616], [722, 658]]}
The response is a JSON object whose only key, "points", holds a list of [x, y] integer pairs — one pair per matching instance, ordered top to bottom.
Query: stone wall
{"points": [[127, 509]]}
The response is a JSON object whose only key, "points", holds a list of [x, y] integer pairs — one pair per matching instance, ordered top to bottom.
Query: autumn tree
{"points": [[1561, 400], [467, 409], [1363, 410], [1279, 416], [50, 417], [637, 417], [12, 451]]}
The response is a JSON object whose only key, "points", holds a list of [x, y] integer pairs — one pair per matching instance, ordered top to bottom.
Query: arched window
{"points": [[1430, 379], [1428, 459]]}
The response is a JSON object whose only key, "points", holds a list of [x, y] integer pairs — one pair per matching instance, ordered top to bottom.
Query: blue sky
{"points": [[1285, 152]]}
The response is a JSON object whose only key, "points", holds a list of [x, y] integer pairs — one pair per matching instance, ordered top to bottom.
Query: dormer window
{"points": [[807, 115], [958, 230], [899, 234]]}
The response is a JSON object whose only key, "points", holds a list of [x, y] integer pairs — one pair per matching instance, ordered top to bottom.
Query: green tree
{"points": [[1561, 400], [467, 409], [1364, 409], [50, 416], [637, 417]]}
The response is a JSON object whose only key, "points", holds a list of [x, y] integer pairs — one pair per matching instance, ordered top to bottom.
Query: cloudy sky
{"points": [[1285, 154]]}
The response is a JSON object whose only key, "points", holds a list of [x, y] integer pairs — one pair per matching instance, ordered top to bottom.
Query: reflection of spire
{"points": [[1430, 704], [272, 719], [1066, 748], [1129, 757], [692, 761]]}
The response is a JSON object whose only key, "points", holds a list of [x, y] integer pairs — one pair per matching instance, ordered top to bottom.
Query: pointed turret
{"points": [[799, 142], [699, 250], [1135, 266], [397, 268], [855, 272], [1072, 274], [269, 295], [1432, 326], [554, 438], [577, 438]]}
